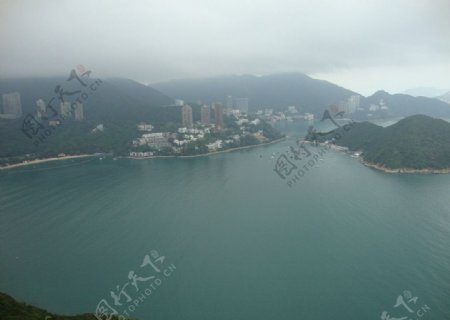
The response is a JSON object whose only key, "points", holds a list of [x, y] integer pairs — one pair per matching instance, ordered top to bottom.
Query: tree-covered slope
{"points": [[416, 142], [10, 309]]}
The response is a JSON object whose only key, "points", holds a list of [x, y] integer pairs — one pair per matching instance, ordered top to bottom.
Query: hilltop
{"points": [[415, 144], [10, 309]]}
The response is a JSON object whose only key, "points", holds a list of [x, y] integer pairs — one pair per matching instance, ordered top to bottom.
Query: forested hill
{"points": [[114, 99], [416, 142], [10, 309]]}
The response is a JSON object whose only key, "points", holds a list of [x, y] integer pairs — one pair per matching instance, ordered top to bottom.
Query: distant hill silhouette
{"points": [[275, 91], [115, 98], [402, 105]]}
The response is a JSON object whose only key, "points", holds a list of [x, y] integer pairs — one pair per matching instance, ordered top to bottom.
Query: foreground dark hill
{"points": [[277, 90], [417, 143], [10, 309]]}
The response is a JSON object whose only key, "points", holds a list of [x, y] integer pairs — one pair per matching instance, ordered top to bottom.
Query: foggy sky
{"points": [[361, 45]]}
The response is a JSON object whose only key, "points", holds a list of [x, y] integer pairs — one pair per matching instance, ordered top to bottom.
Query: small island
{"points": [[416, 144]]}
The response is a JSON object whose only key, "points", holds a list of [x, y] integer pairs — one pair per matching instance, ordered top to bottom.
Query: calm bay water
{"points": [[342, 243]]}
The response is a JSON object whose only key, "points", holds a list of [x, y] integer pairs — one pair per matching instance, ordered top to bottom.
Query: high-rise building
{"points": [[353, 103], [229, 104], [242, 104], [12, 107], [41, 108], [65, 109], [78, 110], [218, 113], [206, 114], [186, 116]]}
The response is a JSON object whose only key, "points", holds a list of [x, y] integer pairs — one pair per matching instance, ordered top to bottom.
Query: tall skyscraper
{"points": [[353, 103], [242, 104], [12, 107], [41, 108], [65, 109], [78, 110], [218, 113], [206, 114], [186, 116]]}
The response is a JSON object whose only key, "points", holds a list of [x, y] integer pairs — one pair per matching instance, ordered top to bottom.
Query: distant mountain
{"points": [[275, 91], [429, 92], [445, 97], [114, 99], [117, 104], [402, 105], [417, 142], [10, 309]]}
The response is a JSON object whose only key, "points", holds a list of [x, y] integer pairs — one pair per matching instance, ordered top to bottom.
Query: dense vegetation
{"points": [[416, 142], [10, 309]]}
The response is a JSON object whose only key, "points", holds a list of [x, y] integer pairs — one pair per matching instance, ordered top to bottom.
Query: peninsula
{"points": [[416, 144]]}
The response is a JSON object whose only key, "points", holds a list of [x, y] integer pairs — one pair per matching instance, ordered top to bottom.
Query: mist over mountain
{"points": [[275, 91], [429, 92], [445, 97], [113, 98], [402, 105]]}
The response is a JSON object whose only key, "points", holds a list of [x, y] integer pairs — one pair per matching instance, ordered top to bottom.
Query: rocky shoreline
{"points": [[405, 170]]}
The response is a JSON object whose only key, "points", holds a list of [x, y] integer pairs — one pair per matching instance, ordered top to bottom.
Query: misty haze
{"points": [[224, 160]]}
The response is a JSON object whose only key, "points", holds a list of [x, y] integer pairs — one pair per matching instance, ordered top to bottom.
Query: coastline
{"points": [[209, 153], [37, 161], [390, 170], [405, 170]]}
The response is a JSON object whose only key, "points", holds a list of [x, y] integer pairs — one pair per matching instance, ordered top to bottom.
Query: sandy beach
{"points": [[36, 161]]}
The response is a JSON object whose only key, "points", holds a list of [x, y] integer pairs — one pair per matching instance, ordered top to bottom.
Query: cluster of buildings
{"points": [[349, 106], [12, 108], [373, 108], [72, 110], [290, 114], [205, 115], [198, 134]]}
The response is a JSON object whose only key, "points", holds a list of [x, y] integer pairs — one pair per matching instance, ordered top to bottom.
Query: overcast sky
{"points": [[362, 45]]}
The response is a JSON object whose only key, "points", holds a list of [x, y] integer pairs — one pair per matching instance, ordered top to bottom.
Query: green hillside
{"points": [[416, 142], [10, 309]]}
